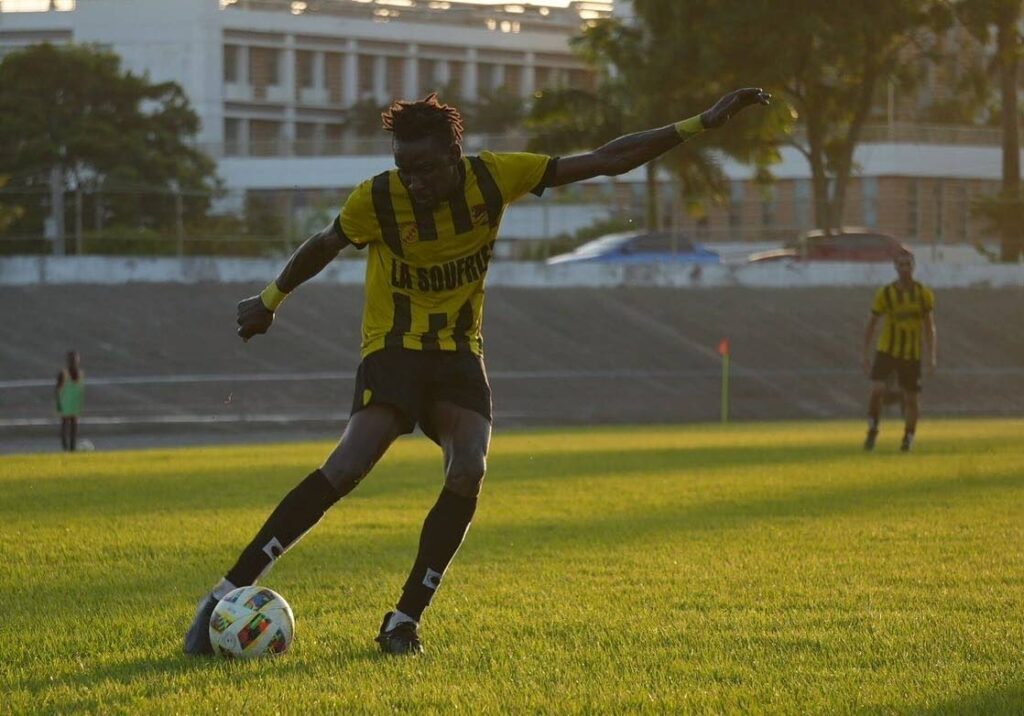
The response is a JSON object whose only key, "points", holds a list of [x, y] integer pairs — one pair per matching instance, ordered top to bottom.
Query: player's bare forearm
{"points": [[633, 150], [617, 156], [310, 258], [256, 313], [869, 337], [931, 340]]}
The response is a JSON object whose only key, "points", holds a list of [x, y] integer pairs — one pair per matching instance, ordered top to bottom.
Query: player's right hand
{"points": [[729, 105], [253, 317]]}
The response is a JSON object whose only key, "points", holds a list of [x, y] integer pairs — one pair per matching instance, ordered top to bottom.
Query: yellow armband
{"points": [[689, 127], [272, 296]]}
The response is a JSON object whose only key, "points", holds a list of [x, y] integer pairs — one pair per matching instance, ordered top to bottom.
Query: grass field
{"points": [[760, 567]]}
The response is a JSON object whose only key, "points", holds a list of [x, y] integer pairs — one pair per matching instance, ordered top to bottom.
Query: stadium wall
{"points": [[31, 270], [163, 357]]}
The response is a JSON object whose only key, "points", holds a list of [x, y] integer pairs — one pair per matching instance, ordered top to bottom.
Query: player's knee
{"points": [[345, 472], [465, 475]]}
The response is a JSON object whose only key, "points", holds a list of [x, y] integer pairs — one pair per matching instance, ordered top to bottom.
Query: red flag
{"points": [[723, 347]]}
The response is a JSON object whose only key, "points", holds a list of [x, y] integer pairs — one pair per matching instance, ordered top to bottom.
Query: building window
{"points": [[230, 63], [263, 66], [304, 69], [456, 70], [365, 71], [334, 72], [394, 77], [427, 77], [485, 77], [542, 77], [514, 79], [232, 136], [264, 137], [306, 138], [736, 191], [869, 201], [802, 203], [768, 207], [913, 209], [963, 210]]}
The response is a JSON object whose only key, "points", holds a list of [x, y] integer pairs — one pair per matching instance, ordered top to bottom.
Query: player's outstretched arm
{"points": [[633, 150], [256, 313]]}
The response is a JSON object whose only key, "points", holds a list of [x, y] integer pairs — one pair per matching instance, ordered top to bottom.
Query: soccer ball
{"points": [[250, 622]]}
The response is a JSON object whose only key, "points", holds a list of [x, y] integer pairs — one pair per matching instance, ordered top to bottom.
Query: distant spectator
{"points": [[70, 393]]}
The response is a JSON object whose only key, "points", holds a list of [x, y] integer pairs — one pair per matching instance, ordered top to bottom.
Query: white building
{"points": [[275, 77], [273, 82]]}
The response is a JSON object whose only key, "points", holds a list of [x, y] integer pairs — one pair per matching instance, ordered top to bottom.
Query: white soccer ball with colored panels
{"points": [[250, 622]]}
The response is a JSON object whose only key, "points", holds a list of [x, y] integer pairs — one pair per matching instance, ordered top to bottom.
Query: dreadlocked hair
{"points": [[424, 118]]}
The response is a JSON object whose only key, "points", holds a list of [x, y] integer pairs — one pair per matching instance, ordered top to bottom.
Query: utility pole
{"points": [[78, 219], [179, 221], [55, 223]]}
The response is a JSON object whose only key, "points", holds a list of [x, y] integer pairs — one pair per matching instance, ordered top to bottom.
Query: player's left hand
{"points": [[724, 109], [253, 317], [933, 364]]}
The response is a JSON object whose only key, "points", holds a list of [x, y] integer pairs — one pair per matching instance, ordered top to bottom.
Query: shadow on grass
{"points": [[213, 489], [507, 541], [346, 551], [163, 671], [1008, 699]]}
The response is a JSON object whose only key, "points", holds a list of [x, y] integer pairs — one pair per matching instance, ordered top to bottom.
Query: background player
{"points": [[430, 226], [908, 309], [70, 394]]}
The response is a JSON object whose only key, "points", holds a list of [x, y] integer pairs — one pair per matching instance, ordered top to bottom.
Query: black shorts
{"points": [[908, 372], [412, 381]]}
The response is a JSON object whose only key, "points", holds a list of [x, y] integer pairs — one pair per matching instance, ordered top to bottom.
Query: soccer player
{"points": [[429, 227], [908, 331], [70, 394]]}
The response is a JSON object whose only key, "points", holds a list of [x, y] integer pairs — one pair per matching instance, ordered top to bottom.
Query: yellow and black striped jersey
{"points": [[426, 267], [905, 312]]}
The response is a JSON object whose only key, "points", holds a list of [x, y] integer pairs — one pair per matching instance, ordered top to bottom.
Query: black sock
{"points": [[294, 516], [443, 531]]}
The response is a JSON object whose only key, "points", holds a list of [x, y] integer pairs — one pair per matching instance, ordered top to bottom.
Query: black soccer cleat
{"points": [[869, 441], [908, 441], [197, 638], [403, 640]]}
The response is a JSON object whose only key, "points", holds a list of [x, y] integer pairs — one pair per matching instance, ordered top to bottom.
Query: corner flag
{"points": [[723, 350]]}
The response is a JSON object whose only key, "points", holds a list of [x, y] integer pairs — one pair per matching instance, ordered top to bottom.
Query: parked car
{"points": [[848, 244], [639, 248]]}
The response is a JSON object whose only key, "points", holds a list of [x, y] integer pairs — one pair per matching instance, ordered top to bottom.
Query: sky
{"points": [[550, 3]]}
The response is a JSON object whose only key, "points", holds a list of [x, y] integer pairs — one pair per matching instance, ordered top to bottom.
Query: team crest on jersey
{"points": [[480, 215], [409, 233]]}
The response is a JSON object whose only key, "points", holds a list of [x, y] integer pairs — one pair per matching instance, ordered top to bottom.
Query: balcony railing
{"points": [[914, 133], [935, 134], [349, 146]]}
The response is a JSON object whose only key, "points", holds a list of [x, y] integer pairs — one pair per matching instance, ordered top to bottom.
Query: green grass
{"points": [[759, 567]]}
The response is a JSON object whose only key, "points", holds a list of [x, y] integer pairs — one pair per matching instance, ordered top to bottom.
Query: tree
{"points": [[1001, 19], [828, 60], [640, 87], [494, 112], [106, 131], [8, 213]]}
